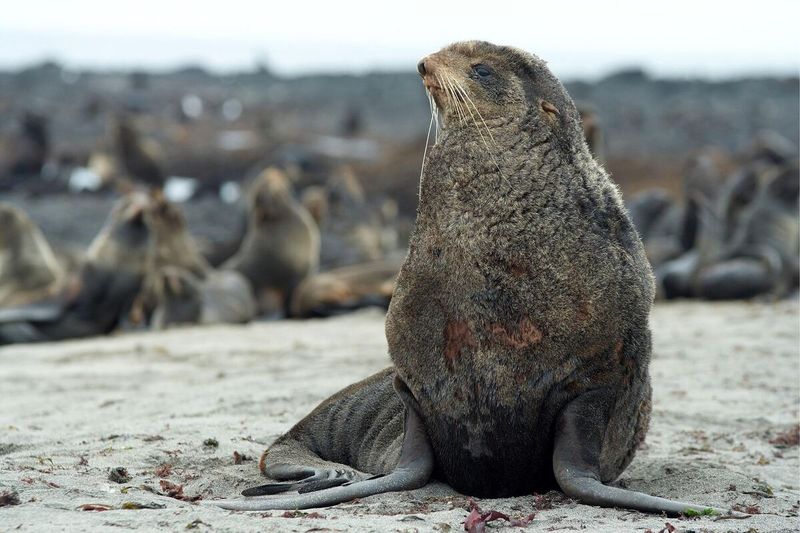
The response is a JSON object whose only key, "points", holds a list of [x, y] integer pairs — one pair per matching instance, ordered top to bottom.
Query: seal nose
{"points": [[421, 68]]}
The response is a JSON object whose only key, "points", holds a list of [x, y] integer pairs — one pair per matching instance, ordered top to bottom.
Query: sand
{"points": [[179, 405]]}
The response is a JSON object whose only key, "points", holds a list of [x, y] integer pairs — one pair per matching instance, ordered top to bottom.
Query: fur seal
{"points": [[24, 153], [138, 159], [315, 199], [670, 228], [350, 232], [748, 240], [174, 245], [281, 246], [29, 269], [182, 287], [346, 288], [180, 297], [96, 299], [518, 328]]}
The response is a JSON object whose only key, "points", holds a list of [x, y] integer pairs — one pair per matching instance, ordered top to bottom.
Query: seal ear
{"points": [[551, 111]]}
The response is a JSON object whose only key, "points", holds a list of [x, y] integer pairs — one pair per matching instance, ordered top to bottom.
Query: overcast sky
{"points": [[577, 38]]}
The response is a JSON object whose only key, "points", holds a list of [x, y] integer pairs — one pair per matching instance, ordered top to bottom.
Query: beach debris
{"points": [[787, 439], [239, 458], [164, 470], [119, 475], [174, 490], [9, 497], [135, 506], [95, 507], [301, 514], [477, 519]]}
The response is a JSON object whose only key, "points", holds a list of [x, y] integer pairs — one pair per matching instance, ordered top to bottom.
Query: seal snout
{"points": [[425, 68]]}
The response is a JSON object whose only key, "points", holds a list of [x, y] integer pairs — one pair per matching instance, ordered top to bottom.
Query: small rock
{"points": [[119, 475], [9, 497]]}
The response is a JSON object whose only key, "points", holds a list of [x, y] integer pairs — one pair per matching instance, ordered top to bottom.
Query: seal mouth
{"points": [[432, 87], [435, 90]]}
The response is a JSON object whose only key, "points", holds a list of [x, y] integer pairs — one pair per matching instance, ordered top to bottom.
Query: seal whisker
{"points": [[470, 102], [456, 103], [432, 107], [434, 115], [488, 148], [425, 151]]}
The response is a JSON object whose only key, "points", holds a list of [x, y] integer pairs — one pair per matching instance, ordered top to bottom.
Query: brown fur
{"points": [[138, 159], [516, 223], [351, 234], [281, 246], [28, 267], [181, 286], [346, 288], [101, 292]]}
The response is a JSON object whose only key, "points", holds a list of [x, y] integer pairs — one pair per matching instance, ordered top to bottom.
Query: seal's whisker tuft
{"points": [[469, 101], [459, 107], [480, 133], [425, 151]]}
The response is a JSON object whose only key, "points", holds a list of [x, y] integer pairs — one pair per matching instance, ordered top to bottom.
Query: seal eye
{"points": [[481, 71]]}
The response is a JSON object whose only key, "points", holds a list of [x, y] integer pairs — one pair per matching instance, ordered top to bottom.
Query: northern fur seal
{"points": [[23, 155], [138, 159], [670, 228], [350, 232], [748, 240], [281, 246], [28, 267], [182, 287], [346, 288], [99, 295], [180, 297], [519, 324]]}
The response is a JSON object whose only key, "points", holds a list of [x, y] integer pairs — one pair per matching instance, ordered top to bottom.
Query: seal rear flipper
{"points": [[576, 461], [413, 470], [301, 479]]}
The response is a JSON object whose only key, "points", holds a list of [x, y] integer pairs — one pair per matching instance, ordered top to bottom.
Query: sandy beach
{"points": [[183, 415]]}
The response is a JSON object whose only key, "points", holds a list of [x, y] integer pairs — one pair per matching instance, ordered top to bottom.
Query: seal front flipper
{"points": [[576, 460], [413, 470]]}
